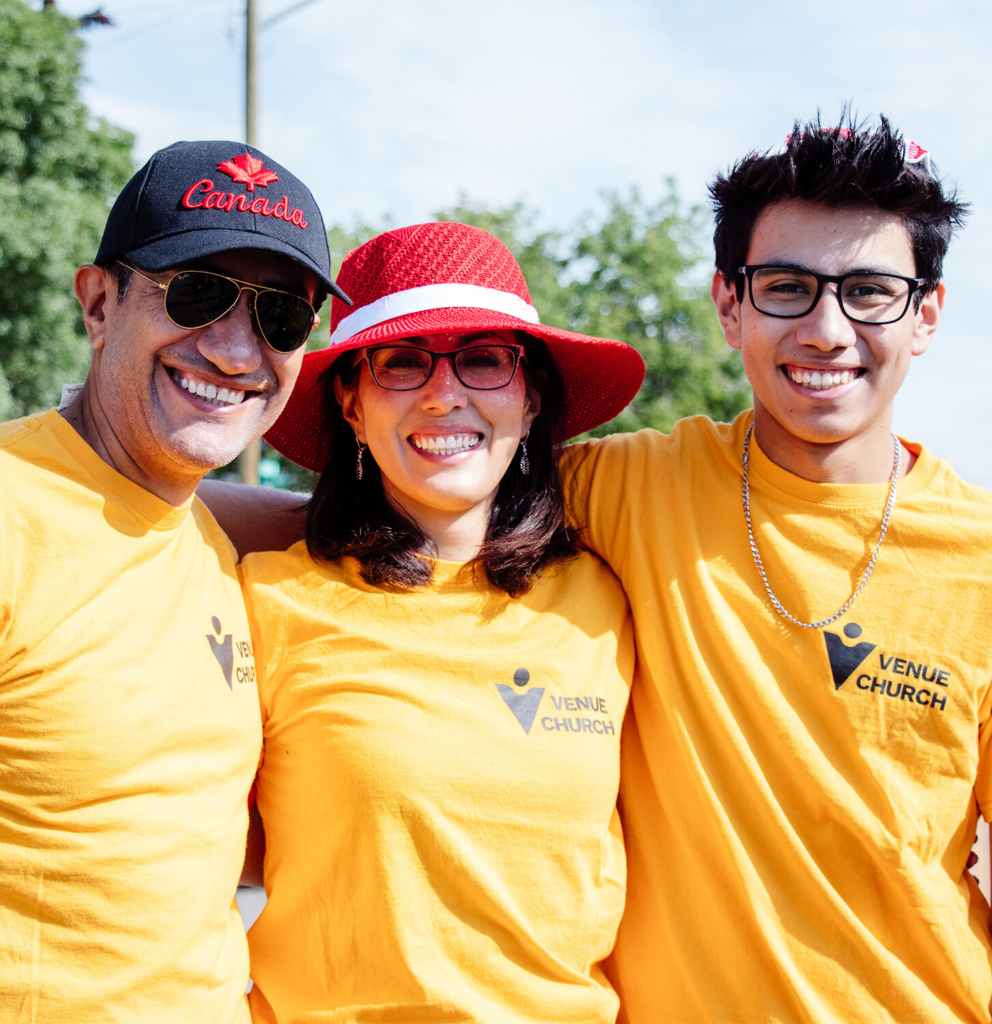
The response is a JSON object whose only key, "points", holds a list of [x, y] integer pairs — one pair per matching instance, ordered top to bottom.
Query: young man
{"points": [[129, 728], [808, 749]]}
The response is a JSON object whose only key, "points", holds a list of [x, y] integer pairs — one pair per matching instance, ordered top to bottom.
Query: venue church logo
{"points": [[223, 651], [843, 659], [875, 675], [523, 703]]}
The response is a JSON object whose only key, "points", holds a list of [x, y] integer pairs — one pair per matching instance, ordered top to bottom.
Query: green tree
{"points": [[59, 172], [634, 274], [639, 276]]}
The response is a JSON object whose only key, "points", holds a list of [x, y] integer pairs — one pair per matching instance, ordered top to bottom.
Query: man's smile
{"points": [[822, 378], [210, 392], [219, 394]]}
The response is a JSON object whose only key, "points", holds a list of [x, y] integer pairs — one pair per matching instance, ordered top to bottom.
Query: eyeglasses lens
{"points": [[195, 298], [868, 298], [875, 298], [284, 319], [483, 367]]}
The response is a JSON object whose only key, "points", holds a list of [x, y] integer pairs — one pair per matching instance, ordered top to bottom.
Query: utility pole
{"points": [[251, 32], [249, 459]]}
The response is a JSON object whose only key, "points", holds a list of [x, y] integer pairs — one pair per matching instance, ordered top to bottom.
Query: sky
{"points": [[392, 109]]}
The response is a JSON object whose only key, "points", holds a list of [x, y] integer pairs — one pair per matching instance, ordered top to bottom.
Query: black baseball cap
{"points": [[195, 199]]}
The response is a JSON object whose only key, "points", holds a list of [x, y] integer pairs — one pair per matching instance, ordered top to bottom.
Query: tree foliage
{"points": [[59, 172], [633, 274]]}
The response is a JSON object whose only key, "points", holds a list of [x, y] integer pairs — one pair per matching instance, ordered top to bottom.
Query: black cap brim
{"points": [[172, 250]]}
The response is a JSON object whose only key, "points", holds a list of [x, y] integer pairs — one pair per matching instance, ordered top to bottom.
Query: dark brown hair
{"points": [[853, 164], [122, 275], [526, 532]]}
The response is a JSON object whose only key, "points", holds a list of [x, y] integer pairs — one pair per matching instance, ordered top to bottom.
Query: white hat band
{"points": [[433, 296]]}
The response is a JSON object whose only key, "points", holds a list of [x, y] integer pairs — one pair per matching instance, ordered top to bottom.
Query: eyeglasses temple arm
{"points": [[135, 270]]}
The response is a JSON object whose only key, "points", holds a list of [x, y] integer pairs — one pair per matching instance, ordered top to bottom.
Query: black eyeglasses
{"points": [[793, 292], [196, 298], [406, 368]]}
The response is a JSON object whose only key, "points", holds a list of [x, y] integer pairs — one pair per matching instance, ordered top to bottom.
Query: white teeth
{"points": [[821, 381], [219, 396], [449, 444]]}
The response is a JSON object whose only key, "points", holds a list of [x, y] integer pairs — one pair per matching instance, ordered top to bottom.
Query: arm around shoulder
{"points": [[600, 477], [256, 518]]}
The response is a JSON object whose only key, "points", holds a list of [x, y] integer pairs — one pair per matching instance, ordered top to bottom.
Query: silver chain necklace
{"points": [[886, 516]]}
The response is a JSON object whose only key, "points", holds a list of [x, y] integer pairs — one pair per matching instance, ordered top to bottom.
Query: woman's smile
{"points": [[442, 445]]}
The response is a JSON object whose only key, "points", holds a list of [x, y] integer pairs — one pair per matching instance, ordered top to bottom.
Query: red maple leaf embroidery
{"points": [[249, 170]]}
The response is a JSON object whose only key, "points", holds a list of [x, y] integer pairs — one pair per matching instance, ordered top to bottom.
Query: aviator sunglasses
{"points": [[196, 298]]}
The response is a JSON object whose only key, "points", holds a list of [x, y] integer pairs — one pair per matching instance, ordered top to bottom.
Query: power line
{"points": [[292, 9], [173, 16]]}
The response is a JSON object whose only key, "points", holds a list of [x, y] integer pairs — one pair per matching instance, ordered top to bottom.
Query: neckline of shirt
{"points": [[775, 477], [152, 509], [454, 575], [447, 576]]}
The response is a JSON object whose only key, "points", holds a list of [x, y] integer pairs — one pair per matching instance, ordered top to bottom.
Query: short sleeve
{"points": [[604, 483], [264, 627], [983, 781]]}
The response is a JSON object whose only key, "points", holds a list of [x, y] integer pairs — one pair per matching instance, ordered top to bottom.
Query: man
{"points": [[129, 728], [807, 754]]}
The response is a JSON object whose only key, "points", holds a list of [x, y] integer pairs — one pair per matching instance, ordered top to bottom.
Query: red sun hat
{"points": [[445, 277]]}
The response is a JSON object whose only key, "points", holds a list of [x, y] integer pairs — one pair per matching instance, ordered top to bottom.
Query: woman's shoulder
{"points": [[287, 570], [583, 579]]}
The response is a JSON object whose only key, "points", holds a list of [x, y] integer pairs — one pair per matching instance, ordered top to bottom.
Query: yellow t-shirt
{"points": [[129, 735], [438, 790], [798, 804]]}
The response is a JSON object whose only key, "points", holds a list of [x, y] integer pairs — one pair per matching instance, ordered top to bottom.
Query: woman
{"points": [[442, 673]]}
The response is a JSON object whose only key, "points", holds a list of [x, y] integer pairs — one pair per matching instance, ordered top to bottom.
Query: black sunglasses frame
{"points": [[748, 272], [243, 286], [518, 358]]}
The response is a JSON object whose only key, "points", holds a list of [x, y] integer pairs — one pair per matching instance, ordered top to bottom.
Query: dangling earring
{"points": [[361, 452], [524, 457]]}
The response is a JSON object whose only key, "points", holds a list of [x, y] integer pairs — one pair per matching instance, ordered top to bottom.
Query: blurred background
{"points": [[583, 132]]}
